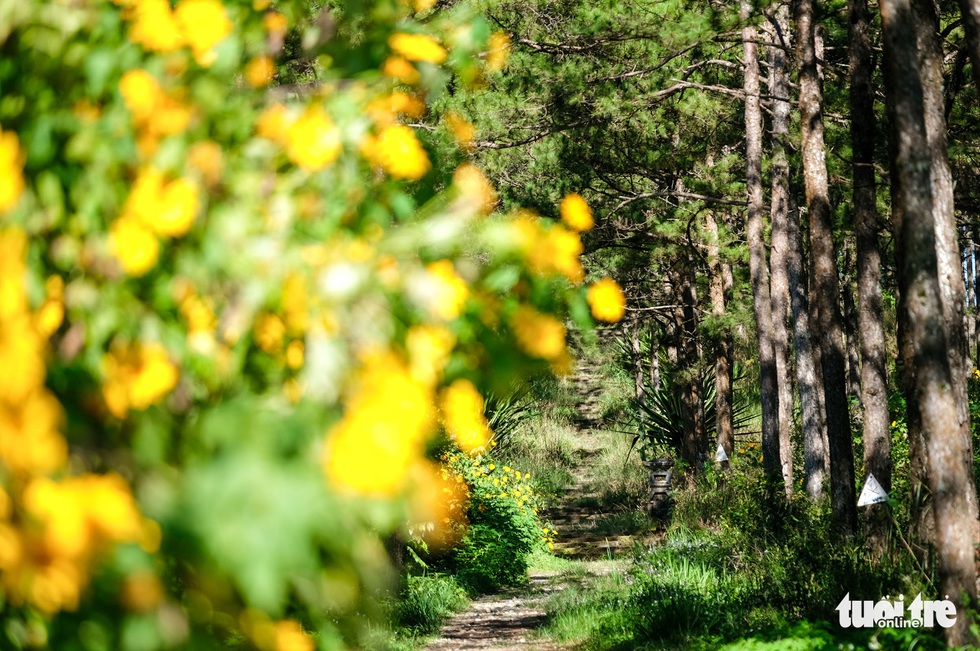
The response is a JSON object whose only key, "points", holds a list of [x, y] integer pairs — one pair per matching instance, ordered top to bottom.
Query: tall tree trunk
{"points": [[971, 23], [778, 34], [948, 259], [758, 267], [826, 308], [921, 310], [636, 345], [654, 356], [688, 372], [853, 376], [809, 379], [874, 379], [724, 428]]}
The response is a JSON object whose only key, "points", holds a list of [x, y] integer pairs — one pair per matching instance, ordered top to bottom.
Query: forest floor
{"points": [[593, 539]]}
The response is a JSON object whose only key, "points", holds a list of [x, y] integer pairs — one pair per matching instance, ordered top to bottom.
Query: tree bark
{"points": [[971, 23], [778, 34], [948, 259], [758, 267], [826, 308], [921, 311], [809, 379], [874, 379], [724, 428]]}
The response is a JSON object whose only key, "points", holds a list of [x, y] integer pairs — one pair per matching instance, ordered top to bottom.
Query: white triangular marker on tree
{"points": [[720, 455], [872, 493]]}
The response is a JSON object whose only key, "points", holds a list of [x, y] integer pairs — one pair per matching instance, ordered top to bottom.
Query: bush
{"points": [[501, 528], [428, 601]]}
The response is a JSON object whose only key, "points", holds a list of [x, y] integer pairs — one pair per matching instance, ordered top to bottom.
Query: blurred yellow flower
{"points": [[203, 23], [275, 23], [153, 26], [417, 47], [498, 51], [398, 68], [259, 71], [141, 93], [384, 110], [273, 124], [461, 128], [312, 141], [400, 154], [206, 157], [11, 171], [474, 188], [167, 209], [575, 213], [134, 246], [13, 251], [549, 251], [447, 293], [606, 300], [294, 304], [50, 315], [269, 332], [539, 335], [428, 349], [294, 354], [136, 376], [462, 414], [387, 417], [30, 434], [141, 592], [290, 636]]}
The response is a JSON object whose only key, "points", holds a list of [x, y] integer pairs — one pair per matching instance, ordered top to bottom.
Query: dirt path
{"points": [[504, 622]]}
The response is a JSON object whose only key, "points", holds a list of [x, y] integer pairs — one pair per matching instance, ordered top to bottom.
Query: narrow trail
{"points": [[510, 620]]}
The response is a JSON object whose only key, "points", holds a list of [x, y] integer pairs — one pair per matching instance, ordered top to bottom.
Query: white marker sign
{"points": [[720, 455], [872, 493]]}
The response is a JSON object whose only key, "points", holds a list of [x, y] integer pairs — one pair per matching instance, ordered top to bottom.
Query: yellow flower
{"points": [[423, 5], [203, 23], [275, 23], [153, 26], [417, 47], [499, 49], [398, 68], [260, 71], [141, 93], [273, 124], [461, 128], [313, 142], [400, 154], [207, 159], [11, 171], [474, 188], [166, 209], [575, 213], [134, 246], [555, 250], [13, 253], [448, 292], [606, 300], [294, 304], [269, 333], [539, 335], [428, 349], [294, 354], [136, 376], [462, 413], [386, 420], [30, 434], [291, 637]]}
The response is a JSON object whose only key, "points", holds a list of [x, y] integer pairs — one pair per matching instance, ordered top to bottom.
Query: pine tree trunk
{"points": [[971, 23], [778, 34], [948, 259], [758, 267], [825, 306], [926, 348], [808, 376], [853, 376], [874, 379], [639, 381], [724, 428]]}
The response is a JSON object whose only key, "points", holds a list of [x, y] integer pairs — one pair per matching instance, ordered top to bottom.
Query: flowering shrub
{"points": [[233, 315], [496, 521]]}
